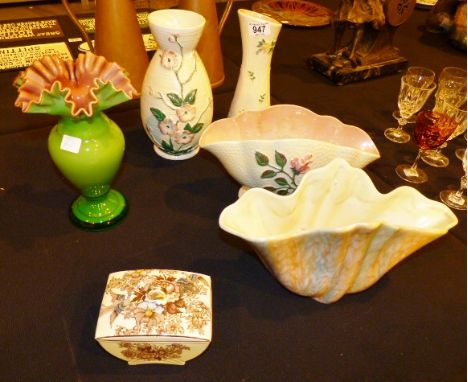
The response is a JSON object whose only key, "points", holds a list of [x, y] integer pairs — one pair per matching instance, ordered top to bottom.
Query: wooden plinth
{"points": [[343, 73]]}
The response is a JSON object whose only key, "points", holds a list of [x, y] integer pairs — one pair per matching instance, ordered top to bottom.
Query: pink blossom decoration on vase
{"points": [[176, 100]]}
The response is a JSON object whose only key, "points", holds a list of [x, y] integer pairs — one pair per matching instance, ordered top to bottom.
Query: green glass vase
{"points": [[86, 146], [88, 151]]}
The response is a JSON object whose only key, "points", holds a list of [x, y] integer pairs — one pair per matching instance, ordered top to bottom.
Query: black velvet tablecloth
{"points": [[410, 326]]}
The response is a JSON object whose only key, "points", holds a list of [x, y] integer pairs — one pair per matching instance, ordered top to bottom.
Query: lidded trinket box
{"points": [[155, 316]]}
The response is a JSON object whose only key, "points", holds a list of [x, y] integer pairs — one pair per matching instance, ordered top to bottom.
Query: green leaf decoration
{"points": [[272, 46], [108, 96], [190, 98], [175, 99], [52, 102], [158, 114], [198, 126], [195, 129], [167, 145], [262, 159], [280, 159], [268, 174], [281, 181], [268, 188], [282, 192]]}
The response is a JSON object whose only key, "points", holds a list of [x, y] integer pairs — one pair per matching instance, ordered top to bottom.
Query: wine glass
{"points": [[425, 77], [452, 85], [451, 90], [414, 92], [432, 129], [435, 157], [456, 198]]}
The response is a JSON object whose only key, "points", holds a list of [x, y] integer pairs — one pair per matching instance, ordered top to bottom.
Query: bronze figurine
{"points": [[369, 51]]}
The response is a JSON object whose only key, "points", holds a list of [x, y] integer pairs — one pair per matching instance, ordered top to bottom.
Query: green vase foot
{"points": [[100, 213]]}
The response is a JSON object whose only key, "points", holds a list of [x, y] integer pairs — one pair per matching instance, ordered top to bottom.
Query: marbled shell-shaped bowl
{"points": [[274, 147], [336, 234]]}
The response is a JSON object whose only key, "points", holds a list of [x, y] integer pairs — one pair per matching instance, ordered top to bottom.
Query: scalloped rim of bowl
{"points": [[242, 131], [372, 196]]}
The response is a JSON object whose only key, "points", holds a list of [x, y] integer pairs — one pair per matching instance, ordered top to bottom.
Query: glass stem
{"points": [[402, 122], [414, 166], [462, 187], [457, 197]]}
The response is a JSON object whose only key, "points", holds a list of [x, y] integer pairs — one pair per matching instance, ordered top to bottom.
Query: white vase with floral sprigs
{"points": [[259, 34], [176, 97]]}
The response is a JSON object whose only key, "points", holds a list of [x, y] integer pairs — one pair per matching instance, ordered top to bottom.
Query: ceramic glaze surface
{"points": [[259, 34], [176, 98], [275, 147], [336, 234], [155, 316]]}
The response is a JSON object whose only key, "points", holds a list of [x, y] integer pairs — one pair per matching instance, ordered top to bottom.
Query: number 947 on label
{"points": [[259, 29]]}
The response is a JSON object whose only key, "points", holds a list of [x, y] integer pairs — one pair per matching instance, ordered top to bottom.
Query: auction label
{"points": [[259, 29], [26, 30], [18, 57], [71, 144]]}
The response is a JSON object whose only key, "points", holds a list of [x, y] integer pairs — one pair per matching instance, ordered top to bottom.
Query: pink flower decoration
{"points": [[173, 38], [170, 59], [186, 112], [166, 127], [182, 136], [301, 165]]}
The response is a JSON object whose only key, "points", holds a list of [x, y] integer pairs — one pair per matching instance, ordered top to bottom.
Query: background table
{"points": [[410, 326]]}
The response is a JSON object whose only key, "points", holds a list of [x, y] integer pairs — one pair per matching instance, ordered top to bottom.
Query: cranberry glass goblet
{"points": [[432, 129]]}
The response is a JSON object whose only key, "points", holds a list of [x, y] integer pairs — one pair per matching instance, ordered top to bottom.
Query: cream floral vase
{"points": [[259, 34], [176, 98]]}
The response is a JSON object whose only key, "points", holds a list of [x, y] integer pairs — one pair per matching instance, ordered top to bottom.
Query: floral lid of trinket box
{"points": [[155, 316]]}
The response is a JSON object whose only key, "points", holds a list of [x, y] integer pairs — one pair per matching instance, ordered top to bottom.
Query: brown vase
{"points": [[118, 38], [209, 47]]}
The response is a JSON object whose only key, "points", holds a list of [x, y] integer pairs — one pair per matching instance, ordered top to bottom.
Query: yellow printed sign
{"points": [[88, 23], [26, 30], [22, 56]]}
